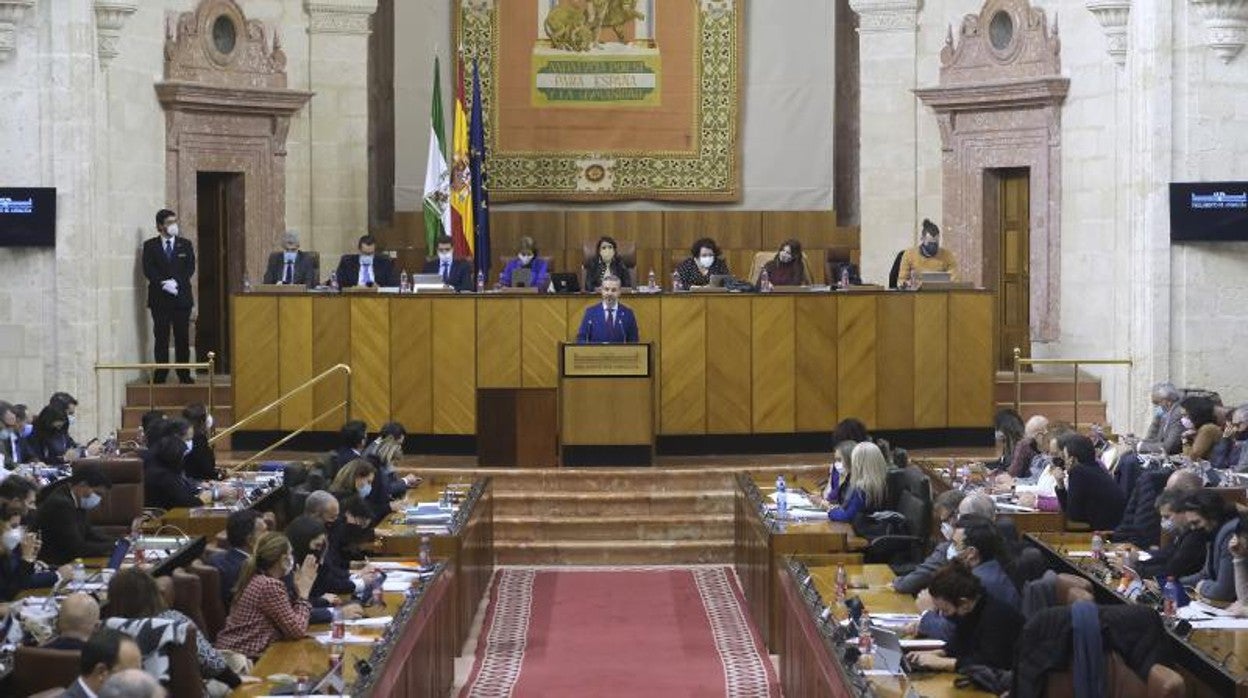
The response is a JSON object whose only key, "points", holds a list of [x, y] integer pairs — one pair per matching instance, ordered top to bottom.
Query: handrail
{"points": [[1019, 362], [209, 365], [319, 378]]}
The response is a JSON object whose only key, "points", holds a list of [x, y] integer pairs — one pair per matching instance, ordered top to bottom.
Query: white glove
{"points": [[170, 286]]}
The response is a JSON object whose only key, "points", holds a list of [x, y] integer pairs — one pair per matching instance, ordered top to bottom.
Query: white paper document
{"points": [[795, 500], [349, 638]]}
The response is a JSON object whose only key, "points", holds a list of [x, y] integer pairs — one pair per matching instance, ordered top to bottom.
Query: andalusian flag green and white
{"points": [[437, 176]]}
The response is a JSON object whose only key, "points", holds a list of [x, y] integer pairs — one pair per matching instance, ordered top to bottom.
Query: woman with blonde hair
{"points": [[867, 490], [263, 610]]}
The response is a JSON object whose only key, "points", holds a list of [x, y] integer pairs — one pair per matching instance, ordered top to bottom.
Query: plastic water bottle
{"points": [[845, 277], [333, 280], [650, 281], [675, 281], [405, 282], [480, 282], [764, 282], [246, 283], [782, 498], [1098, 547], [426, 552], [80, 573], [842, 582], [1170, 598], [337, 626], [866, 643], [335, 655]]}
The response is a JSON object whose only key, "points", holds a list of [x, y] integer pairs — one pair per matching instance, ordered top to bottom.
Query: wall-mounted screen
{"points": [[1208, 211], [27, 217]]}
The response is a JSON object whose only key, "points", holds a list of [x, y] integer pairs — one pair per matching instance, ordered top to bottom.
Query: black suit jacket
{"points": [[157, 267], [306, 272], [384, 273], [461, 273], [201, 462], [165, 488], [66, 532], [230, 564]]}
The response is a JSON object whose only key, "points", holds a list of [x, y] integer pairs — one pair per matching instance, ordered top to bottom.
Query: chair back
{"points": [[626, 250], [762, 258], [895, 271], [124, 502], [918, 513], [1071, 588], [188, 596], [210, 603], [37, 669], [184, 676], [1122, 682]]}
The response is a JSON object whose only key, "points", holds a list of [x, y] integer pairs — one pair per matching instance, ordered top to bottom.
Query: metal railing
{"points": [[1019, 362], [208, 365], [311, 382]]}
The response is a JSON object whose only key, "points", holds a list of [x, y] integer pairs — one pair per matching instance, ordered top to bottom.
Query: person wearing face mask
{"points": [[927, 256], [526, 258], [704, 261], [605, 262], [168, 265], [292, 266], [366, 267], [787, 268], [456, 273], [1165, 431], [1200, 432], [49, 438], [14, 448], [1231, 453], [201, 460], [354, 478], [165, 486], [1087, 491], [945, 506], [1205, 509], [62, 517], [308, 538], [977, 544], [19, 550], [1184, 551], [264, 611], [984, 628]]}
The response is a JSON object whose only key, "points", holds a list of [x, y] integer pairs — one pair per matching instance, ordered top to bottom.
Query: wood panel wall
{"points": [[662, 237], [724, 363]]}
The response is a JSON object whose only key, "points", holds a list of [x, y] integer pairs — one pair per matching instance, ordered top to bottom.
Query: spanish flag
{"points": [[462, 229]]}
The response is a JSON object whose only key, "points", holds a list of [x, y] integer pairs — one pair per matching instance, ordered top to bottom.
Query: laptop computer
{"points": [[935, 277], [521, 278], [427, 280], [719, 280], [565, 283], [888, 653]]}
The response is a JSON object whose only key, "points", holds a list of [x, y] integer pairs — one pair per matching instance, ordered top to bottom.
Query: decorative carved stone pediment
{"points": [[1008, 39], [217, 45]]}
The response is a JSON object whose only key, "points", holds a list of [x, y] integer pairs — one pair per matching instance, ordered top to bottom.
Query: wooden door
{"points": [[219, 198], [1014, 276]]}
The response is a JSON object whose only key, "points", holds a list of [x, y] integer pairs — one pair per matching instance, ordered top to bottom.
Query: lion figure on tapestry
{"points": [[575, 25]]}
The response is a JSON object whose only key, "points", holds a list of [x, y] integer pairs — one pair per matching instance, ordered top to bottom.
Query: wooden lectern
{"points": [[606, 404]]}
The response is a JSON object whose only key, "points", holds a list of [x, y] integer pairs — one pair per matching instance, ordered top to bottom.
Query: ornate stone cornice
{"points": [[11, 14], [886, 15], [341, 16], [1113, 16], [110, 17], [1226, 25]]}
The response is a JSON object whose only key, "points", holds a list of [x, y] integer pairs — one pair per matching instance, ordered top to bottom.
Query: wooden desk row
{"points": [[725, 363], [1024, 521], [1212, 662]]}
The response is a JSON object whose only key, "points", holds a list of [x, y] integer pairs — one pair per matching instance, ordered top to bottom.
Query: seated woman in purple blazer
{"points": [[526, 258]]}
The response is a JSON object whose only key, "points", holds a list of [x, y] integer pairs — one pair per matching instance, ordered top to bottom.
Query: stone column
{"points": [[543, 11], [643, 29], [887, 53], [338, 121]]}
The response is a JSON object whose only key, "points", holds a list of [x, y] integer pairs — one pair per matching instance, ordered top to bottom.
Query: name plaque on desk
{"points": [[606, 360]]}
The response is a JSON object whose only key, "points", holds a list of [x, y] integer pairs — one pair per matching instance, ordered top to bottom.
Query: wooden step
{"points": [[1047, 391], [174, 393], [1089, 412], [587, 504], [612, 526], [614, 552]]}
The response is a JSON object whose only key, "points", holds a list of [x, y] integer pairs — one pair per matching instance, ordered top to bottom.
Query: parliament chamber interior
{"points": [[623, 347]]}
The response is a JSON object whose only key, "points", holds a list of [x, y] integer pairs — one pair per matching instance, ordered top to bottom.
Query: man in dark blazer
{"points": [[169, 264], [291, 265], [366, 268], [456, 273], [608, 322], [62, 518], [242, 528], [107, 652]]}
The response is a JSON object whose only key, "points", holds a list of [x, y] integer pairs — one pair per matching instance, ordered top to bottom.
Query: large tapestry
{"points": [[608, 99]]}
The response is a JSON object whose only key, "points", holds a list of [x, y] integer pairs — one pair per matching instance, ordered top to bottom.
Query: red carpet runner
{"points": [[653, 632]]}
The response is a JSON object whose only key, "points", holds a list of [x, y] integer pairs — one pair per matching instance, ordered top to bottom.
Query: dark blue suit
{"points": [[596, 330], [230, 564]]}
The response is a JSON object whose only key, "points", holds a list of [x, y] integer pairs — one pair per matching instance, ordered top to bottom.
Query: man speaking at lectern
{"points": [[608, 322]]}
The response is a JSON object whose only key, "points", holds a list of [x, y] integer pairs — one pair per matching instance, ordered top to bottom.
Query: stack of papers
{"points": [[796, 500], [376, 622], [348, 638]]}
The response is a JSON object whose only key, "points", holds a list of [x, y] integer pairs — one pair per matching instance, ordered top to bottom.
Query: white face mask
{"points": [[172, 230], [607, 254], [446, 256], [786, 257], [525, 258], [706, 260], [72, 419], [1187, 422], [209, 423], [189, 445], [839, 466], [90, 501], [1167, 525], [946, 530], [12, 538], [951, 553]]}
